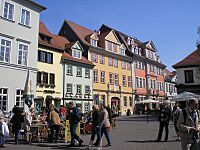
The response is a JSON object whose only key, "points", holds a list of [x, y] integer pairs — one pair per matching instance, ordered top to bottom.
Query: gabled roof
{"points": [[80, 31], [56, 41], [153, 46], [192, 59], [82, 60]]}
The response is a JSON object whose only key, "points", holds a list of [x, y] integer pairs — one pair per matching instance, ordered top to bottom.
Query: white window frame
{"points": [[8, 11], [24, 23], [6, 39], [94, 42], [23, 51], [122, 51], [76, 54], [94, 57], [102, 59], [110, 61], [115, 63], [123, 65], [69, 70], [79, 72], [87, 73], [95, 75], [102, 76], [110, 78], [116, 79], [124, 80], [129, 81], [69, 88], [78, 89], [87, 89], [2, 95], [21, 99]]}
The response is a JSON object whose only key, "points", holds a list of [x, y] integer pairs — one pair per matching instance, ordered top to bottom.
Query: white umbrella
{"points": [[185, 96], [147, 101]]}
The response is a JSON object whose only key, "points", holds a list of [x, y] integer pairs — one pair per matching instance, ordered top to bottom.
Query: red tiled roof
{"points": [[43, 29], [80, 31], [56, 41], [82, 60], [191, 60]]}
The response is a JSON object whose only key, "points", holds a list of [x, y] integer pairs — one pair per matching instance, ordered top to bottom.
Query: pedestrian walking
{"points": [[176, 114], [164, 117], [74, 118], [97, 118], [54, 120], [16, 121], [105, 125], [189, 126], [4, 131]]}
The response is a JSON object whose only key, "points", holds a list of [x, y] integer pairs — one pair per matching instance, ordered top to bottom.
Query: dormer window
{"points": [[94, 42], [122, 51], [77, 54]]}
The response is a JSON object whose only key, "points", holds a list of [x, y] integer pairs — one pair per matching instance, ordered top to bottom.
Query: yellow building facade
{"points": [[112, 74]]}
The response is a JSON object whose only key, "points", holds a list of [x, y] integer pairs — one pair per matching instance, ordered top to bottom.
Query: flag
{"points": [[28, 91]]}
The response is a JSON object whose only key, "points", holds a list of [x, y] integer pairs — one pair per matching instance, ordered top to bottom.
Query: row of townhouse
{"points": [[78, 64]]}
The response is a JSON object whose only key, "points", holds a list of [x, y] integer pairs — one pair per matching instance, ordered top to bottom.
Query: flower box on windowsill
{"points": [[52, 85]]}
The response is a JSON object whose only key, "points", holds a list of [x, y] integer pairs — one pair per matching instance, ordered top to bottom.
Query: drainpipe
{"points": [[63, 83]]}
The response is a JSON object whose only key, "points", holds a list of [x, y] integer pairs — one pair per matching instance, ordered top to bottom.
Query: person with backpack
{"points": [[176, 114], [74, 118], [189, 126]]}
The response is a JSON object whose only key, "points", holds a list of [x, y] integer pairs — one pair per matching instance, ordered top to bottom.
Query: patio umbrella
{"points": [[28, 91], [185, 96], [147, 101]]}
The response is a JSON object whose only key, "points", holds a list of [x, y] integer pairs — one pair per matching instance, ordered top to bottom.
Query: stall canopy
{"points": [[185, 96], [147, 101]]}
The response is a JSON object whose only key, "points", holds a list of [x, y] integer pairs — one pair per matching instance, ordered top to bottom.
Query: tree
{"points": [[198, 52]]}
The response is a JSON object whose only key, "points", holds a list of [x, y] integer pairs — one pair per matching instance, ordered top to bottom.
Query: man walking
{"points": [[164, 117], [74, 118], [188, 124]]}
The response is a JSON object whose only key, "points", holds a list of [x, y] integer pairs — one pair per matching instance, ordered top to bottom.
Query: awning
{"points": [[49, 97], [39, 98], [57, 98]]}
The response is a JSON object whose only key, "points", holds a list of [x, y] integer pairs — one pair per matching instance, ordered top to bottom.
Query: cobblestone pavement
{"points": [[131, 133]]}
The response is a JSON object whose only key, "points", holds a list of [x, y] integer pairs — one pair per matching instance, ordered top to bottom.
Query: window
{"points": [[8, 11], [25, 17], [93, 42], [109, 46], [114, 47], [5, 50], [122, 51], [76, 54], [22, 56], [45, 57], [94, 57], [102, 59], [110, 62], [115, 62], [123, 65], [129, 66], [69, 70], [79, 72], [87, 73], [39, 75], [95, 75], [102, 76], [189, 76], [45, 77], [110, 78], [52, 79], [116, 79], [124, 80], [129, 81], [137, 82], [141, 82], [144, 83], [69, 88], [78, 89], [87, 89], [103, 98], [3, 99], [19, 101], [125, 101], [130, 101], [87, 107]]}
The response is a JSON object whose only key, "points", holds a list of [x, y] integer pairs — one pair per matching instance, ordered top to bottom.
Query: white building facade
{"points": [[19, 24]]}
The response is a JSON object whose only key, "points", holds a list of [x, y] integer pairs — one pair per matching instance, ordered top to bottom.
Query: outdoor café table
{"points": [[38, 132]]}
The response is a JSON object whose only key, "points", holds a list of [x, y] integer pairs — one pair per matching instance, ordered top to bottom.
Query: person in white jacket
{"points": [[4, 131]]}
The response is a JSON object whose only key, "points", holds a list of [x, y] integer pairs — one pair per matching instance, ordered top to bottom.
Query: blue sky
{"points": [[170, 24]]}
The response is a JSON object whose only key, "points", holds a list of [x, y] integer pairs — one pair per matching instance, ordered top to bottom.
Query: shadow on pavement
{"points": [[150, 141]]}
